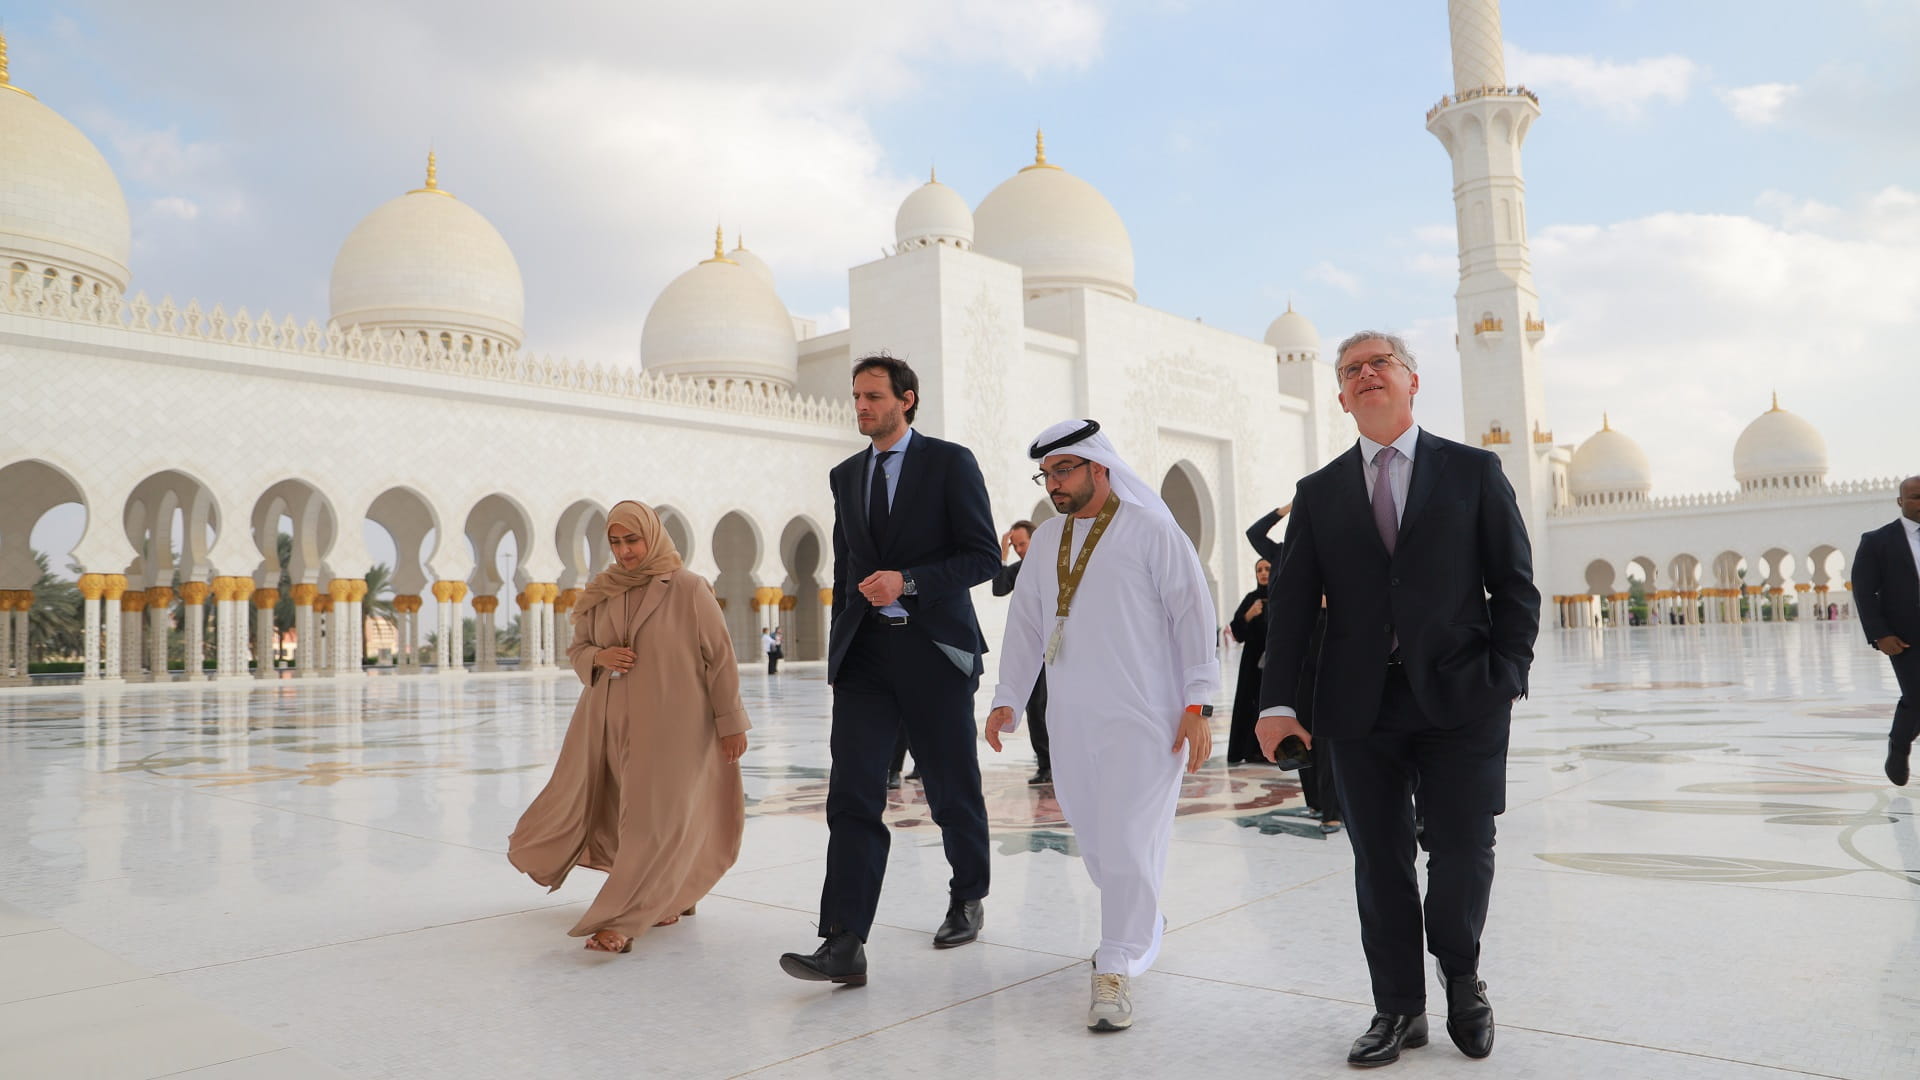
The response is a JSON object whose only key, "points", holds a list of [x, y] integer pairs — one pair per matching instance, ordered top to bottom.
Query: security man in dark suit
{"points": [[912, 532], [1015, 539], [1420, 549], [1886, 592]]}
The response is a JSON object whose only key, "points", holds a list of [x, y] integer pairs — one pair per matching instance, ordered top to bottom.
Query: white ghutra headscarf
{"points": [[1083, 439]]}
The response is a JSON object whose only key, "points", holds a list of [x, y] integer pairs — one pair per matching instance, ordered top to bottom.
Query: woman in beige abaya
{"points": [[647, 787]]}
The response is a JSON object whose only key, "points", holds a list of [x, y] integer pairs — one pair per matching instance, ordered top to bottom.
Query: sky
{"points": [[1724, 195]]}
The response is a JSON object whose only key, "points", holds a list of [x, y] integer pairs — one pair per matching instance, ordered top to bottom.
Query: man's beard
{"points": [[1075, 503]]}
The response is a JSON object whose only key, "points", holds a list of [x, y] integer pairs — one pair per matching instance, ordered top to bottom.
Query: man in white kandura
{"points": [[1116, 607]]}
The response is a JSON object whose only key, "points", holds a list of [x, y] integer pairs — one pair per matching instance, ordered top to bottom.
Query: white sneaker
{"points": [[1112, 1008]]}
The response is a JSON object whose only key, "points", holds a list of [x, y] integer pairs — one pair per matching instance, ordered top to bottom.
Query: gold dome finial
{"points": [[5, 82], [1039, 151], [933, 174], [433, 178], [719, 248], [1776, 403], [1605, 423]]}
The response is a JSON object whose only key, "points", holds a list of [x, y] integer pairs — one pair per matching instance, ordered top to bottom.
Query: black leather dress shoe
{"points": [[1897, 761], [1044, 776], [893, 780], [964, 919], [839, 959], [1470, 1016], [1390, 1034]]}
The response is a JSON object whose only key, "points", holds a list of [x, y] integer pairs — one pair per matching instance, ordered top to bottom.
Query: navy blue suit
{"points": [[1886, 594], [918, 675], [1428, 720]]}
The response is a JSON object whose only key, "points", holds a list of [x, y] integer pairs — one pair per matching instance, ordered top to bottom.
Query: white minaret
{"points": [[1482, 124]]}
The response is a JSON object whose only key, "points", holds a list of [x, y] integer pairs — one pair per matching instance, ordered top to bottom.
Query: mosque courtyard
{"points": [[1703, 873]]}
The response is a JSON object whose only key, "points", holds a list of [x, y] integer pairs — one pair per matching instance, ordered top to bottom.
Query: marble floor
{"points": [[1703, 873]]}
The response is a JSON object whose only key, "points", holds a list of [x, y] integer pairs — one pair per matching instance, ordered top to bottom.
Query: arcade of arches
{"points": [[180, 587]]}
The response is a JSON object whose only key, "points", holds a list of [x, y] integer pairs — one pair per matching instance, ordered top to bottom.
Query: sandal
{"points": [[671, 919], [595, 944]]}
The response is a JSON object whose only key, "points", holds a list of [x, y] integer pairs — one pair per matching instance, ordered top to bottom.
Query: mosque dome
{"points": [[62, 214], [933, 214], [1057, 228], [752, 262], [428, 263], [721, 320], [1292, 336], [1779, 450], [1608, 467]]}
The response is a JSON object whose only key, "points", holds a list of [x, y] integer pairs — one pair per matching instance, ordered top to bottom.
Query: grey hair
{"points": [[1394, 342]]}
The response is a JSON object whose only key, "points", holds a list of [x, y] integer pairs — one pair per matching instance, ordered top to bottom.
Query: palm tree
{"points": [[379, 598], [283, 621], [56, 627]]}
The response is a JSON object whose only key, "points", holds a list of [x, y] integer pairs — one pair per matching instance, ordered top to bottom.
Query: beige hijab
{"points": [[662, 557]]}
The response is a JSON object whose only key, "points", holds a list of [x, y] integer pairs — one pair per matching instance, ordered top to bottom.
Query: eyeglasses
{"points": [[1378, 364], [1059, 474]]}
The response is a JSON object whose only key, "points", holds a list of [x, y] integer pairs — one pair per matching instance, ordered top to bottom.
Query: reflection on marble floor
{"points": [[1703, 874]]}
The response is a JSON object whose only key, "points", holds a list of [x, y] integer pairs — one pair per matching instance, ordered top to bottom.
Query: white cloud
{"points": [[1621, 89], [1757, 105], [603, 139], [174, 206], [1340, 279], [1680, 325]]}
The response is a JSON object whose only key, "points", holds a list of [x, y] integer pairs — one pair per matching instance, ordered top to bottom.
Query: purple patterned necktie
{"points": [[1383, 516]]}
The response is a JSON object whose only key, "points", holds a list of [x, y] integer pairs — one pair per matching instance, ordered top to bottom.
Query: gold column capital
{"points": [[116, 585], [93, 586], [340, 590], [359, 591], [443, 591], [459, 591], [193, 593], [305, 594], [159, 596], [826, 597], [265, 598], [522, 599], [568, 599], [134, 601], [406, 603], [322, 604], [486, 605]]}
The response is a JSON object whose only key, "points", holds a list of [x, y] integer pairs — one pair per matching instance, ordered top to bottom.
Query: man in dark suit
{"points": [[912, 532], [1015, 539], [1419, 547], [1886, 592]]}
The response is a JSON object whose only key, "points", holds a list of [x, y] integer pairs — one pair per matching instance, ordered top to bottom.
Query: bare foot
{"points": [[668, 921], [609, 941]]}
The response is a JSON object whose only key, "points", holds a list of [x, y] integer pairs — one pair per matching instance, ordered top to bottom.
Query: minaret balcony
{"points": [[1448, 101], [1536, 328], [1489, 330]]}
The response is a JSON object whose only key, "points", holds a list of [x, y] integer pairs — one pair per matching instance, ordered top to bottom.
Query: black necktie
{"points": [[877, 508]]}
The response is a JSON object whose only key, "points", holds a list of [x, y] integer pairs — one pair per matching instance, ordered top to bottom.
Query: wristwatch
{"points": [[907, 587], [1206, 711]]}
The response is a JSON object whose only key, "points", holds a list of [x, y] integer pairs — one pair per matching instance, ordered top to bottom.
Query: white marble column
{"points": [[92, 587], [550, 593], [193, 595], [8, 601], [263, 601], [159, 620], [306, 629], [486, 629], [22, 638], [443, 638], [112, 660]]}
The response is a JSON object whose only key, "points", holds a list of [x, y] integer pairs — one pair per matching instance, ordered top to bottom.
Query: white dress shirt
{"points": [[1399, 475], [1913, 540]]}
